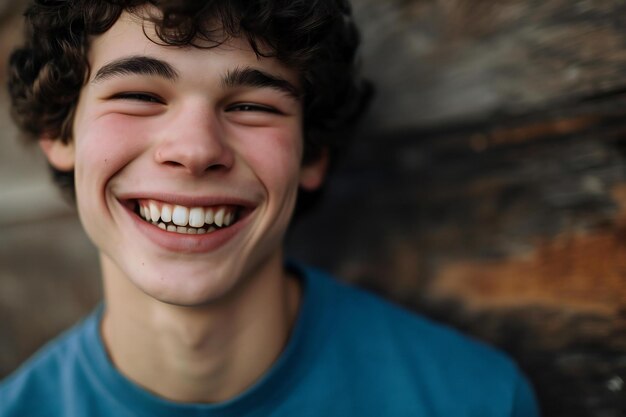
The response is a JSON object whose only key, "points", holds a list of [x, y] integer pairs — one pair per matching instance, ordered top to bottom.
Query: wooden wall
{"points": [[486, 188]]}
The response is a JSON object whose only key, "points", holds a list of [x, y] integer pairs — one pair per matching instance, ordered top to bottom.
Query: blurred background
{"points": [[486, 188]]}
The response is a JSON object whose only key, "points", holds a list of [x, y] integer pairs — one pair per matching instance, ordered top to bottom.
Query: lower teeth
{"points": [[183, 229]]}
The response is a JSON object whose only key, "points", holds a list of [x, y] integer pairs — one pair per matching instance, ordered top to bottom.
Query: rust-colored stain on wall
{"points": [[581, 271]]}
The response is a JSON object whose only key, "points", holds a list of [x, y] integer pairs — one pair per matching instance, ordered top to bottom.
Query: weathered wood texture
{"points": [[441, 60], [487, 188]]}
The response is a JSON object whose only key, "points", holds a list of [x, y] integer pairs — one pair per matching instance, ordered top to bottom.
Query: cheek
{"points": [[106, 146], [274, 156]]}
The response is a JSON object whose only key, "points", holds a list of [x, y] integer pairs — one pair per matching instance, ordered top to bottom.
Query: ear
{"points": [[59, 154], [313, 173]]}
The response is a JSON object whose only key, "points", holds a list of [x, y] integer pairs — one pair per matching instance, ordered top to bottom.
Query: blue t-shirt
{"points": [[350, 354]]}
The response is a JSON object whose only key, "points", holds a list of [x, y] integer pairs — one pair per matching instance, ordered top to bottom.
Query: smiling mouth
{"points": [[187, 220]]}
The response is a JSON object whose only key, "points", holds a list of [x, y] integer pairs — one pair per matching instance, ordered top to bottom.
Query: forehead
{"points": [[134, 35]]}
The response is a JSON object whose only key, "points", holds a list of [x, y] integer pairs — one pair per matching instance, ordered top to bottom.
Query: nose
{"points": [[194, 141]]}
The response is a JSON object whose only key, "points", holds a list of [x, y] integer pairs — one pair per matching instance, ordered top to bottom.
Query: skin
{"points": [[189, 321]]}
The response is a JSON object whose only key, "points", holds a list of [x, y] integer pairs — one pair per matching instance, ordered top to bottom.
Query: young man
{"points": [[187, 130]]}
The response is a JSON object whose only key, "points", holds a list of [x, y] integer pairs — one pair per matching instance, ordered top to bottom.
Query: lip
{"points": [[188, 201], [178, 242]]}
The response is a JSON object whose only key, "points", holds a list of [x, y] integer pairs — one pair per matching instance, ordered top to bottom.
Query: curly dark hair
{"points": [[318, 38]]}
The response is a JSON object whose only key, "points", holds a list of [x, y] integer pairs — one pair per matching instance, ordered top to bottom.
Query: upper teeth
{"points": [[186, 216]]}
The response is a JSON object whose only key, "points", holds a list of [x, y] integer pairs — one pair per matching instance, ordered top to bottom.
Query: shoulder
{"points": [[363, 314], [403, 348], [35, 387]]}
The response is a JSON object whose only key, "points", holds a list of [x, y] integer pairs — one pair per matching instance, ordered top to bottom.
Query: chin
{"points": [[177, 283], [186, 289], [187, 294]]}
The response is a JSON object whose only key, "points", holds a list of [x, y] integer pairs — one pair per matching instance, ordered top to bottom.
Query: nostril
{"points": [[173, 163], [215, 167]]}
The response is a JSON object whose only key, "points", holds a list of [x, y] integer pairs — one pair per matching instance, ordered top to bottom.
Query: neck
{"points": [[208, 353]]}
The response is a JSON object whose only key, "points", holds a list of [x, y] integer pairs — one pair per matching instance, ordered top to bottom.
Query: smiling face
{"points": [[187, 162]]}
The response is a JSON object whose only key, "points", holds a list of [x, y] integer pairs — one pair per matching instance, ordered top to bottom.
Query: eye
{"points": [[138, 96], [248, 107]]}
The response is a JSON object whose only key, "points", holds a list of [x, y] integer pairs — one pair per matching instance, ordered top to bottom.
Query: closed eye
{"points": [[138, 96], [247, 107]]}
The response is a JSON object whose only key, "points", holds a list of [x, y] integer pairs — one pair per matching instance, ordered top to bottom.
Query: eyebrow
{"points": [[139, 65], [238, 77], [252, 77]]}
